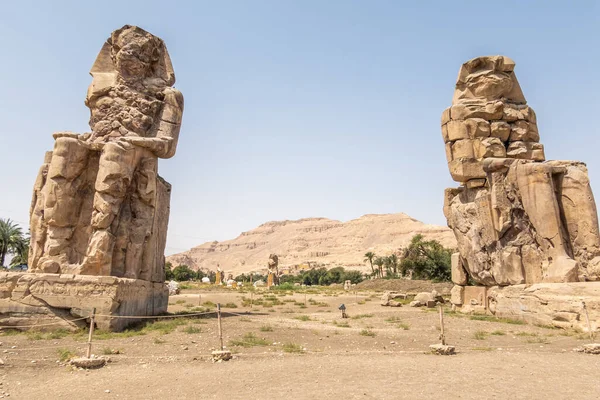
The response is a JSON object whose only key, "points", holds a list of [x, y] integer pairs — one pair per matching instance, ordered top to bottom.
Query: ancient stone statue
{"points": [[99, 206], [517, 218], [273, 270]]}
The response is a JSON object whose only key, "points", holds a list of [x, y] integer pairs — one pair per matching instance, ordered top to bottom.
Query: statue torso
{"points": [[123, 111]]}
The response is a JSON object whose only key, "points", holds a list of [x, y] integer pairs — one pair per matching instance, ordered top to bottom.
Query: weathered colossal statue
{"points": [[99, 206], [517, 218], [273, 268]]}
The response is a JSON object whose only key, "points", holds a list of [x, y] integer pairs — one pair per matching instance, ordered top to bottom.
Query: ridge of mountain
{"points": [[311, 242]]}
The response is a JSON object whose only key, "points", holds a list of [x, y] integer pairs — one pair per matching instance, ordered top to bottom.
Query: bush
{"points": [[426, 259], [183, 273]]}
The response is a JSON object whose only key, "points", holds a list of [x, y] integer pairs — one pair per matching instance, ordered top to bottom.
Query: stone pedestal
{"points": [[218, 278], [270, 280], [29, 299], [553, 304]]}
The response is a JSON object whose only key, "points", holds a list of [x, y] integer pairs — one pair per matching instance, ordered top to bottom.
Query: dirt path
{"points": [[378, 353]]}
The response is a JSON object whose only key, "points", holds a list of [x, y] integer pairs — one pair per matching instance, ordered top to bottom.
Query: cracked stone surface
{"points": [[99, 206], [517, 218]]}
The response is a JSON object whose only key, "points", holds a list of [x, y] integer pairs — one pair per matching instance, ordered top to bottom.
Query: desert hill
{"points": [[312, 242]]}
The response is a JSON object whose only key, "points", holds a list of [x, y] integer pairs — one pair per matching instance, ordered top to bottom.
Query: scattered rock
{"points": [[173, 287], [387, 297], [592, 348], [442, 349], [221, 355], [89, 363]]}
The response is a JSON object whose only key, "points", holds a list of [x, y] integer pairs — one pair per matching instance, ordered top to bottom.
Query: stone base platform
{"points": [[37, 300], [553, 304]]}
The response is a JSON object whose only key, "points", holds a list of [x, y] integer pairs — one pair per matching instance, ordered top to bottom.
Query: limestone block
{"points": [[489, 111], [514, 112], [445, 116], [468, 129], [455, 130], [500, 130], [524, 131], [489, 147], [463, 149], [526, 151], [463, 170], [475, 183], [449, 195], [533, 260], [508, 269], [458, 273], [456, 295], [475, 296], [423, 297], [61, 298], [555, 304]]}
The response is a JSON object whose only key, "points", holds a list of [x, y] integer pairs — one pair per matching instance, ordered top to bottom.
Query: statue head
{"points": [[135, 53], [131, 55], [487, 78], [273, 260]]}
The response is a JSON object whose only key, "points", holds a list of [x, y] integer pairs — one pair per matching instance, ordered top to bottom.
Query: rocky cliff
{"points": [[312, 242]]}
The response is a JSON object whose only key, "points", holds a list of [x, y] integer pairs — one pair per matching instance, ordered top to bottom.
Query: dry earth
{"points": [[312, 240], [306, 352]]}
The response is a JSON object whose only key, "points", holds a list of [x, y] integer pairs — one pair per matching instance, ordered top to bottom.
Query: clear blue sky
{"points": [[299, 108]]}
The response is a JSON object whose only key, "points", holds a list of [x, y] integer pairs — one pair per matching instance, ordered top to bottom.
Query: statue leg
{"points": [[116, 167], [535, 181], [143, 200], [61, 201], [581, 217]]}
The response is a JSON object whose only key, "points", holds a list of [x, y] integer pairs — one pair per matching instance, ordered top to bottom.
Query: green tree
{"points": [[12, 240], [22, 256], [370, 256], [426, 259], [379, 262], [392, 265], [168, 271], [183, 273], [200, 274], [334, 275], [353, 276]]}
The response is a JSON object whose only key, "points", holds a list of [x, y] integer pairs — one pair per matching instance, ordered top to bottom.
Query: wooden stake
{"points": [[251, 299], [587, 319], [220, 325], [442, 336], [89, 348]]}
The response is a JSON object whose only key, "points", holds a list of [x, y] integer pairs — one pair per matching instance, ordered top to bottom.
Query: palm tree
{"points": [[11, 239], [369, 256], [21, 257], [379, 261], [392, 264]]}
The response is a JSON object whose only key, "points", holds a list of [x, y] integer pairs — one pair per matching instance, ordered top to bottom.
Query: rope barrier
{"points": [[153, 317], [37, 325], [276, 351]]}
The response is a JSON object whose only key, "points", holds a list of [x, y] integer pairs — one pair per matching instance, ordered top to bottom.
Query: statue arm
{"points": [[164, 144]]}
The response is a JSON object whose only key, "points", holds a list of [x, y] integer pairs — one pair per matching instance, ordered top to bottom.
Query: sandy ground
{"points": [[381, 354]]}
